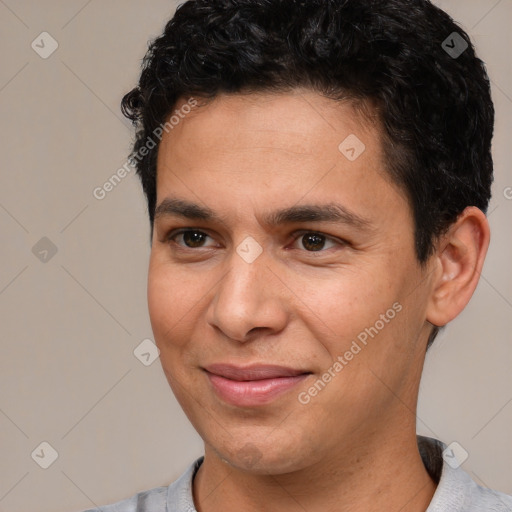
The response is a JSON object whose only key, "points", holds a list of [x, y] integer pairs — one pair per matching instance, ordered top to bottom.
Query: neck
{"points": [[386, 474]]}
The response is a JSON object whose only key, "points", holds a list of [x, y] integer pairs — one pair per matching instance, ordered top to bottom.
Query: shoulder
{"points": [[456, 490], [176, 497], [481, 498], [487, 499], [152, 500]]}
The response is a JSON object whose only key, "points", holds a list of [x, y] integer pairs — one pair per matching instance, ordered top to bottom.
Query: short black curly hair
{"points": [[402, 56], [436, 110]]}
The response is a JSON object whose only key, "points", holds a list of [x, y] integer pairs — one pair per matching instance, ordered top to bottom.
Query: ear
{"points": [[459, 259]]}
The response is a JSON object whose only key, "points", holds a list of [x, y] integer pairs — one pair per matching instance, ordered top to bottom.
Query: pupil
{"points": [[193, 238], [312, 241]]}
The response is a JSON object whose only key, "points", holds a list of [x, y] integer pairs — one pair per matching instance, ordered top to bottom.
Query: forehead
{"points": [[293, 120], [299, 143]]}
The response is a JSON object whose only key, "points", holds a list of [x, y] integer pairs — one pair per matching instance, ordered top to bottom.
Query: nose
{"points": [[250, 300]]}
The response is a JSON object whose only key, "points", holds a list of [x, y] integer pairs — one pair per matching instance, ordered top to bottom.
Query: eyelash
{"points": [[173, 234]]}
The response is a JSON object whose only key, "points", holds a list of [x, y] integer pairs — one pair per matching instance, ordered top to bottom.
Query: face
{"points": [[284, 291]]}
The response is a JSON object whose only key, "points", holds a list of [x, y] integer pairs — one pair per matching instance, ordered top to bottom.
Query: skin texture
{"points": [[352, 446]]}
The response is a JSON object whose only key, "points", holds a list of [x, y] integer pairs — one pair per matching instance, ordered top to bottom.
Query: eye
{"points": [[191, 238], [312, 241], [315, 242]]}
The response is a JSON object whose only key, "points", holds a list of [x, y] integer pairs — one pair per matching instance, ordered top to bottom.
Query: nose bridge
{"points": [[247, 297]]}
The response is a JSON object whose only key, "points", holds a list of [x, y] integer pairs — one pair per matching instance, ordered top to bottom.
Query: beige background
{"points": [[68, 375]]}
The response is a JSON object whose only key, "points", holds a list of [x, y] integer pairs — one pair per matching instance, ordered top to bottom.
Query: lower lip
{"points": [[252, 392]]}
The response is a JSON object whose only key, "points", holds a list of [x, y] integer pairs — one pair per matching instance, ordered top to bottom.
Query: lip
{"points": [[253, 385]]}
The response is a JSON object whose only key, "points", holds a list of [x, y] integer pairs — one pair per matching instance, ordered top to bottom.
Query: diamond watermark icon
{"points": [[44, 45], [454, 45], [352, 147], [249, 249], [44, 250], [146, 352], [250, 454], [44, 455], [455, 455]]}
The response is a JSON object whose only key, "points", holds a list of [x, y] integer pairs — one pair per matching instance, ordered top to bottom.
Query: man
{"points": [[317, 175]]}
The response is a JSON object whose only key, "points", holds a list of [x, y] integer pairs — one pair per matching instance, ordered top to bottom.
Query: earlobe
{"points": [[459, 259]]}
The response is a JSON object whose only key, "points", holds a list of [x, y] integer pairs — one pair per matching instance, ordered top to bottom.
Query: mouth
{"points": [[252, 385]]}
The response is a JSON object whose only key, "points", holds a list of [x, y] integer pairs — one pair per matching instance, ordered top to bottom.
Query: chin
{"points": [[264, 458]]}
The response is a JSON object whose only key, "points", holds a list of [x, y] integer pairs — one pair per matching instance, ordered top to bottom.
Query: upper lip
{"points": [[253, 372]]}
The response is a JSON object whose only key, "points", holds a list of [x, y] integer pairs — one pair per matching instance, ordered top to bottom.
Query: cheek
{"points": [[160, 298], [172, 302], [345, 303], [368, 315]]}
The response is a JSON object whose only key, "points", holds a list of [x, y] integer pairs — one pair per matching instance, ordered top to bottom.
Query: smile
{"points": [[252, 386]]}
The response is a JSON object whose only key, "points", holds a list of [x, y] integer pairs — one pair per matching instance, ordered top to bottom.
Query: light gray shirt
{"points": [[456, 491]]}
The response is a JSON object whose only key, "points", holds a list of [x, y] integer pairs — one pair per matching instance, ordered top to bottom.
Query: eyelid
{"points": [[180, 231], [296, 235], [337, 241]]}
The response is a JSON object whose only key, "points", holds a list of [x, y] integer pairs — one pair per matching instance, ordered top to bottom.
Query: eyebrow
{"points": [[330, 212]]}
